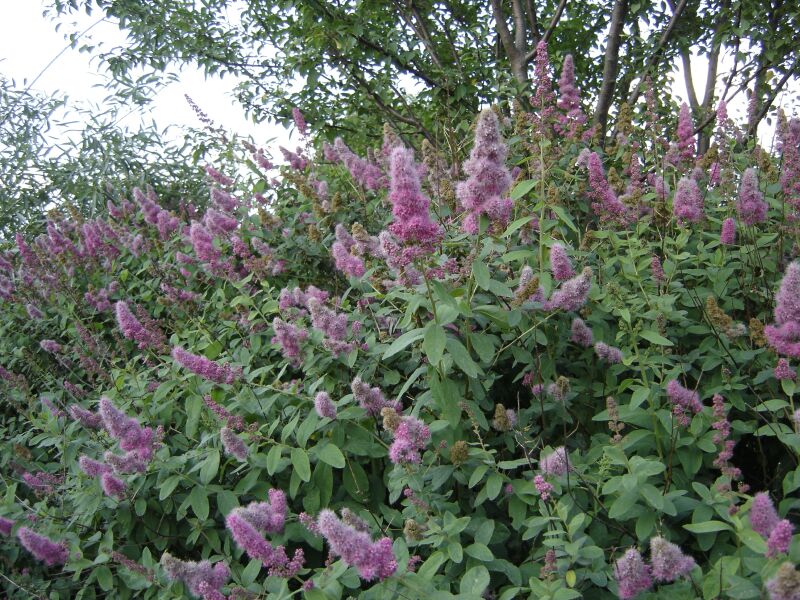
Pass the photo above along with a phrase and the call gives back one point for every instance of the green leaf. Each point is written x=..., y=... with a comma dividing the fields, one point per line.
x=430, y=566
x=521, y=222
x=409, y=337
x=198, y=500
x=480, y=552
x=708, y=527
x=434, y=342
x=330, y=454
x=655, y=338
x=104, y=578
x=462, y=358
x=522, y=188
x=168, y=487
x=274, y=458
x=475, y=581
x=210, y=466
x=301, y=464
x=251, y=571
x=194, y=405
x=481, y=272
x=226, y=501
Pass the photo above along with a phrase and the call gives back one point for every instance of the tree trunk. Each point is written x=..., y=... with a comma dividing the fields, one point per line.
x=610, y=67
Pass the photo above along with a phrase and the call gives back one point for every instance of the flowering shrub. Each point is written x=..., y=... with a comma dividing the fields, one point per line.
x=530, y=368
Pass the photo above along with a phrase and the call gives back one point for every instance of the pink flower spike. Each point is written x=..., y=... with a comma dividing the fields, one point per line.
x=43, y=548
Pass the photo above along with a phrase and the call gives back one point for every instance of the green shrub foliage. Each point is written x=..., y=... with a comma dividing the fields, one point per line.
x=516, y=365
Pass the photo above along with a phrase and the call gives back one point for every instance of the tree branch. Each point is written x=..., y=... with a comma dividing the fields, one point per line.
x=610, y=65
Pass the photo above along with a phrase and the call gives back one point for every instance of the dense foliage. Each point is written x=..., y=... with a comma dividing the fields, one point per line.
x=528, y=368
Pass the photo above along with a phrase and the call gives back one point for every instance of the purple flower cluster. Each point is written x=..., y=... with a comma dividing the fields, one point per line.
x=569, y=100
x=201, y=578
x=784, y=336
x=484, y=191
x=324, y=406
x=543, y=487
x=206, y=368
x=668, y=560
x=608, y=353
x=722, y=428
x=332, y=325
x=751, y=206
x=410, y=438
x=581, y=333
x=372, y=400
x=410, y=207
x=366, y=173
x=683, y=401
x=786, y=583
x=133, y=329
x=85, y=417
x=560, y=264
x=573, y=293
x=765, y=521
x=556, y=463
x=299, y=121
x=727, y=236
x=288, y=337
x=784, y=371
x=633, y=575
x=5, y=526
x=687, y=205
x=373, y=560
x=605, y=203
x=246, y=525
x=43, y=548
x=233, y=444
x=138, y=442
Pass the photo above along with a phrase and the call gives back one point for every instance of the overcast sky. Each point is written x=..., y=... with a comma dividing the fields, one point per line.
x=28, y=42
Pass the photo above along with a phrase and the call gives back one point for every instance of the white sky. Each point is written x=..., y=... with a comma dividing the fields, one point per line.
x=28, y=42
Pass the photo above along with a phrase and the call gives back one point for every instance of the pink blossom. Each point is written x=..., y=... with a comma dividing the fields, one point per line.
x=687, y=204
x=543, y=487
x=605, y=203
x=113, y=486
x=93, y=468
x=370, y=399
x=784, y=371
x=763, y=516
x=560, y=264
x=573, y=293
x=683, y=401
x=484, y=191
x=203, y=243
x=146, y=337
x=727, y=236
x=581, y=333
x=410, y=207
x=43, y=548
x=233, y=444
x=780, y=538
x=632, y=574
x=784, y=336
x=410, y=438
x=299, y=121
x=751, y=206
x=669, y=562
x=200, y=577
x=608, y=353
x=371, y=559
x=656, y=269
x=555, y=463
x=288, y=337
x=324, y=406
x=685, y=132
x=206, y=368
x=5, y=526
x=85, y=417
